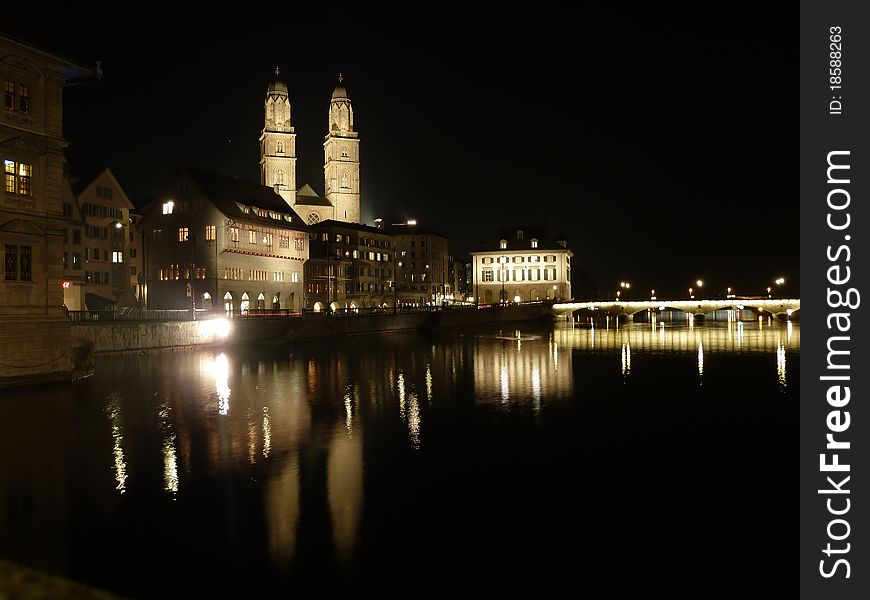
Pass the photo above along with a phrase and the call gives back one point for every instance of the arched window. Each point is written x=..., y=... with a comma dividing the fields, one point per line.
x=344, y=152
x=519, y=234
x=261, y=301
x=280, y=147
x=345, y=180
x=245, y=306
x=534, y=243
x=279, y=177
x=228, y=303
x=502, y=244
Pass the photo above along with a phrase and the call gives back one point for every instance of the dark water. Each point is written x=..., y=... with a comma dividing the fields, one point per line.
x=624, y=462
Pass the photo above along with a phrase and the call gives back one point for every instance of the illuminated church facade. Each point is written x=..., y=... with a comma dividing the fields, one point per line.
x=340, y=151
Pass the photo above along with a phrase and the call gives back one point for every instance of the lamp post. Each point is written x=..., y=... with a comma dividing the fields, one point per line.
x=502, y=260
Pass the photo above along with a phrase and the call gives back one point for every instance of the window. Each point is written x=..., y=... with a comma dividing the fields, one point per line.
x=278, y=276
x=313, y=218
x=168, y=207
x=252, y=236
x=519, y=234
x=155, y=235
x=279, y=177
x=345, y=180
x=294, y=277
x=77, y=260
x=502, y=244
x=104, y=192
x=234, y=234
x=9, y=94
x=518, y=259
x=487, y=275
x=299, y=244
x=182, y=234
x=550, y=258
x=534, y=259
x=267, y=239
x=280, y=148
x=535, y=274
x=534, y=243
x=117, y=256
x=24, y=99
x=18, y=262
x=210, y=232
x=337, y=237
x=518, y=275
x=344, y=152
x=17, y=177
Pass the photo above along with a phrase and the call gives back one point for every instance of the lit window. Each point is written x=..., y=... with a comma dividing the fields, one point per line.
x=210, y=232
x=252, y=236
x=534, y=243
x=234, y=234
x=17, y=177
x=182, y=234
x=117, y=256
x=267, y=239
x=294, y=277
x=280, y=147
x=283, y=241
x=167, y=207
x=502, y=244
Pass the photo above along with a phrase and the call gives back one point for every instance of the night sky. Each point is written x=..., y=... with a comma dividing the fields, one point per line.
x=662, y=143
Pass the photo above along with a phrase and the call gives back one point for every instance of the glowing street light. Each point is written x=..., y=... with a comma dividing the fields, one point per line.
x=652, y=294
x=699, y=283
x=691, y=293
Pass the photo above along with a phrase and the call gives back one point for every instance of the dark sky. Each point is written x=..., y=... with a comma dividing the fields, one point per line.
x=661, y=142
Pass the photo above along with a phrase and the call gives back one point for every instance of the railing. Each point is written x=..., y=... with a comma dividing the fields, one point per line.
x=88, y=316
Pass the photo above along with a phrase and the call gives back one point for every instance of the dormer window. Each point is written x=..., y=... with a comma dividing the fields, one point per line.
x=502, y=244
x=534, y=243
x=519, y=234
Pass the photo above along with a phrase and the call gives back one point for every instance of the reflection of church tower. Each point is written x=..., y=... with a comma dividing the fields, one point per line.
x=278, y=143
x=341, y=158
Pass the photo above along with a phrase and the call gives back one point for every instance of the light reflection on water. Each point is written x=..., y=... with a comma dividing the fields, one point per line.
x=301, y=420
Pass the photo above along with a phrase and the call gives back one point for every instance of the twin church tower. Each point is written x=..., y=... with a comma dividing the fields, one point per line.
x=340, y=158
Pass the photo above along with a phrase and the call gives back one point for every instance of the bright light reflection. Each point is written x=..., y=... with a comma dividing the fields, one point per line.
x=536, y=383
x=505, y=385
x=267, y=432
x=348, y=413
x=414, y=420
x=780, y=364
x=114, y=411
x=170, y=459
x=700, y=358
x=429, y=383
x=221, y=379
x=626, y=358
x=401, y=396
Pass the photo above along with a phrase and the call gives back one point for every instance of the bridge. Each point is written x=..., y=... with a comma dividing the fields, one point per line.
x=783, y=308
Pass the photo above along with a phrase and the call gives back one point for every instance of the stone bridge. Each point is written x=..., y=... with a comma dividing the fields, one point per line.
x=783, y=308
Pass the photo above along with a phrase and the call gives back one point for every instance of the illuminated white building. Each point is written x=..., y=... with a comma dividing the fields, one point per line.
x=522, y=265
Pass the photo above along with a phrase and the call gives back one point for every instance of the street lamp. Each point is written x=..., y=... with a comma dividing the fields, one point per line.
x=691, y=293
x=652, y=294
x=502, y=260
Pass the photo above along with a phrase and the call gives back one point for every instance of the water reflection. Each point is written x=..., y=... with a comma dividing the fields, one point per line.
x=302, y=458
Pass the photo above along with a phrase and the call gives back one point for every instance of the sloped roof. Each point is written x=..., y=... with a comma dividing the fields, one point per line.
x=307, y=196
x=330, y=223
x=227, y=193
x=545, y=240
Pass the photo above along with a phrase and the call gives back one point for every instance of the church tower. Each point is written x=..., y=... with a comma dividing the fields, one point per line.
x=278, y=143
x=341, y=158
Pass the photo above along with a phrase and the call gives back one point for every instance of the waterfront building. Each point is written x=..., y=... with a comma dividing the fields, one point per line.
x=459, y=262
x=351, y=266
x=522, y=265
x=214, y=242
x=341, y=200
x=423, y=264
x=34, y=328
x=99, y=244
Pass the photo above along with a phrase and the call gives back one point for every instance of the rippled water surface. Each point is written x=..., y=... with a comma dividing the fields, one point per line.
x=641, y=458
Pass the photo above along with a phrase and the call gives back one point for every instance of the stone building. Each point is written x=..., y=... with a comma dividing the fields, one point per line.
x=100, y=244
x=34, y=327
x=350, y=266
x=423, y=264
x=219, y=243
x=341, y=201
x=522, y=265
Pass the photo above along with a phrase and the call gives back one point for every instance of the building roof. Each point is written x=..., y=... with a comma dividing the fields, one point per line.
x=340, y=92
x=80, y=182
x=227, y=194
x=307, y=196
x=515, y=243
x=72, y=70
x=277, y=87
x=331, y=223
x=416, y=229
